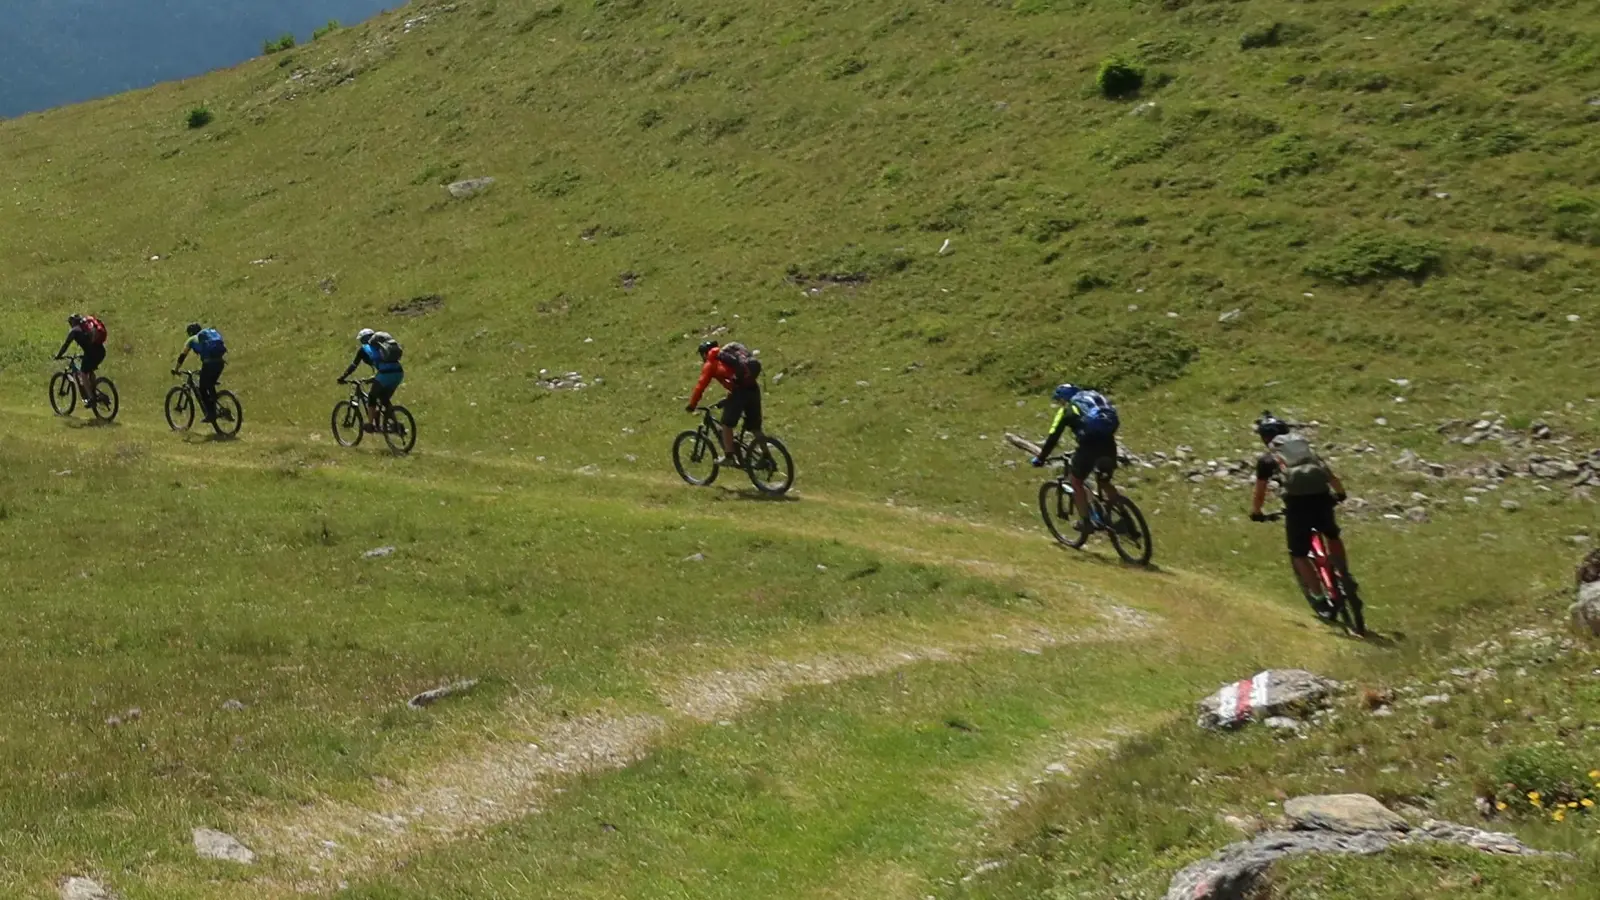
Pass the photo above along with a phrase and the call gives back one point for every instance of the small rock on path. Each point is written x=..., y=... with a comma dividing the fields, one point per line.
x=221, y=845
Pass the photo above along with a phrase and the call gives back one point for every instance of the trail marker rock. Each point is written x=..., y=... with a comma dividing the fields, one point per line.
x=1275, y=692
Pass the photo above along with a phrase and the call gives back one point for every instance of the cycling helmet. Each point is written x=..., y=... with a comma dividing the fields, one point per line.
x=1270, y=426
x=1065, y=392
x=707, y=347
x=364, y=335
x=75, y=320
x=193, y=329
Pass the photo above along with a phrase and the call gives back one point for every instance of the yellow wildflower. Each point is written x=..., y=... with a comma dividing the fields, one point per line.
x=1559, y=815
x=1587, y=803
x=1501, y=806
x=1533, y=797
x=1595, y=774
x=1572, y=804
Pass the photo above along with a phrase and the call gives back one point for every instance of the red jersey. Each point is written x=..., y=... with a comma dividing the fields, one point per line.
x=713, y=368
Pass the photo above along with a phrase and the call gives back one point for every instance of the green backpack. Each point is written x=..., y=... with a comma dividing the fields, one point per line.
x=1304, y=472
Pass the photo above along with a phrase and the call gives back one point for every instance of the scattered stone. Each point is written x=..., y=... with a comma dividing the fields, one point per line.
x=428, y=698
x=327, y=285
x=1282, y=723
x=233, y=706
x=1230, y=315
x=1510, y=505
x=569, y=381
x=1589, y=570
x=1433, y=699
x=1586, y=612
x=470, y=187
x=79, y=888
x=1275, y=692
x=1417, y=514
x=696, y=557
x=220, y=845
x=378, y=552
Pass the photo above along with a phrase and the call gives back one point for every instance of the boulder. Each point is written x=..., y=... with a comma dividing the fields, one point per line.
x=1589, y=570
x=461, y=190
x=80, y=888
x=1275, y=692
x=220, y=845
x=1586, y=612
x=1343, y=813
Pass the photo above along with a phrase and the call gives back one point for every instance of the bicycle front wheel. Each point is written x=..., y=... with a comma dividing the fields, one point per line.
x=63, y=394
x=399, y=429
x=1129, y=533
x=106, y=402
x=695, y=458
x=771, y=468
x=228, y=414
x=1056, y=506
x=179, y=409
x=348, y=423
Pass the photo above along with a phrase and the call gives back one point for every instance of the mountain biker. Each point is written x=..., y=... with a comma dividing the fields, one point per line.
x=1310, y=491
x=89, y=333
x=379, y=350
x=1093, y=420
x=737, y=371
x=208, y=345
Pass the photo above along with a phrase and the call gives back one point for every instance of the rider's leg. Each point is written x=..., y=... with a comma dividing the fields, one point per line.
x=210, y=373
x=1080, y=496
x=1298, y=520
x=1310, y=582
x=752, y=418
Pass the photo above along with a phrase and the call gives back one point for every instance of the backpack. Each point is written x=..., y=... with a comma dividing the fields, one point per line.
x=95, y=328
x=736, y=356
x=389, y=349
x=1304, y=472
x=1097, y=417
x=210, y=344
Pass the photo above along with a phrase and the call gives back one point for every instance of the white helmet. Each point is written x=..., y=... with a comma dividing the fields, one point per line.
x=364, y=335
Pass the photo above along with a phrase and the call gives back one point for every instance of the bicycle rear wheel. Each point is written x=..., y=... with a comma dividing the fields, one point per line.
x=179, y=409
x=695, y=458
x=228, y=414
x=106, y=401
x=1130, y=535
x=349, y=425
x=770, y=467
x=1348, y=603
x=399, y=429
x=1059, y=512
x=63, y=394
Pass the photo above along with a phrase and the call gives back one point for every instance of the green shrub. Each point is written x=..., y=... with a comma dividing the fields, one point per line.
x=1119, y=78
x=1267, y=35
x=1577, y=220
x=281, y=43
x=332, y=26
x=1542, y=775
x=1374, y=256
x=199, y=117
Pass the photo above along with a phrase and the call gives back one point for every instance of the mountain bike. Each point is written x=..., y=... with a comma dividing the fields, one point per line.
x=352, y=420
x=695, y=456
x=64, y=393
x=1347, y=608
x=185, y=398
x=1119, y=518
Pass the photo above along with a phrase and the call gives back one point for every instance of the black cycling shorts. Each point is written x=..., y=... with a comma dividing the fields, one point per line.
x=743, y=402
x=1303, y=515
x=93, y=356
x=1094, y=455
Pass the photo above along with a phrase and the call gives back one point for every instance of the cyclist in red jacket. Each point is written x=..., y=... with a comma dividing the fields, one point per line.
x=737, y=371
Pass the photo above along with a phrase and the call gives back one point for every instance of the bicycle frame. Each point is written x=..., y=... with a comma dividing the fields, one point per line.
x=712, y=430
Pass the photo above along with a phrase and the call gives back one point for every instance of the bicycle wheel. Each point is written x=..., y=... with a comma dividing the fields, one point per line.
x=349, y=425
x=1129, y=533
x=1056, y=506
x=106, y=401
x=179, y=409
x=1348, y=603
x=229, y=414
x=399, y=429
x=695, y=458
x=770, y=467
x=63, y=394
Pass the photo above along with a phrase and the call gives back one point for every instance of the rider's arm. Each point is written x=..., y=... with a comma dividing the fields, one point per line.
x=1064, y=419
x=66, y=343
x=1266, y=467
x=182, y=355
x=353, y=363
x=706, y=372
x=1258, y=497
x=1336, y=484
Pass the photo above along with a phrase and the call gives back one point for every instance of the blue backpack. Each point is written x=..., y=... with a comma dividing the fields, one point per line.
x=210, y=345
x=1097, y=418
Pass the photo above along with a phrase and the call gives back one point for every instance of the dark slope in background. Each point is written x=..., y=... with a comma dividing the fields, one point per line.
x=65, y=51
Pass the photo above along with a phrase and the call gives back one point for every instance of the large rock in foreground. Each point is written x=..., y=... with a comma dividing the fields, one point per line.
x=1275, y=692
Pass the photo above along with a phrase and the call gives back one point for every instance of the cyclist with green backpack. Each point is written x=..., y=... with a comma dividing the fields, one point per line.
x=1310, y=491
x=1094, y=422
x=382, y=352
x=207, y=344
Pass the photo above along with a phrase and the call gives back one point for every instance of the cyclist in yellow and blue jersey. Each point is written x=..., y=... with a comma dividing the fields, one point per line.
x=1093, y=421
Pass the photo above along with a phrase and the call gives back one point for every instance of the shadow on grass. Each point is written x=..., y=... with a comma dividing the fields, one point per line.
x=728, y=493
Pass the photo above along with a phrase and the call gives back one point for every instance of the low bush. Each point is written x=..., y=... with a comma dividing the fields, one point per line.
x=1119, y=78
x=278, y=45
x=199, y=117
x=332, y=26
x=1375, y=256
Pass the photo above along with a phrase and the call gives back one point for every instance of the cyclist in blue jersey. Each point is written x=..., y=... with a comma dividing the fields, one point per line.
x=208, y=345
x=1093, y=421
x=381, y=351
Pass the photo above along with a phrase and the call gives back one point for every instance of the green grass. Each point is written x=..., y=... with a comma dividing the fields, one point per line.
x=1302, y=204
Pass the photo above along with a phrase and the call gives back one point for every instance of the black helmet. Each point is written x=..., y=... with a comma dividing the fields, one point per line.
x=75, y=320
x=1270, y=426
x=193, y=329
x=707, y=347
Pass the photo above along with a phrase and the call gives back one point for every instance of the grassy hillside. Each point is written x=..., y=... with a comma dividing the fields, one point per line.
x=1379, y=217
